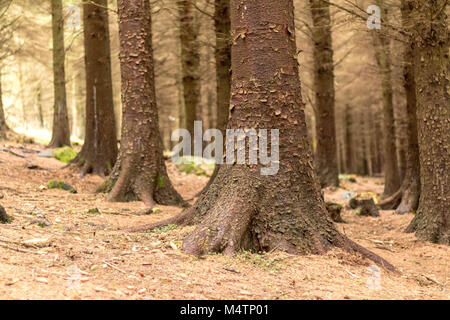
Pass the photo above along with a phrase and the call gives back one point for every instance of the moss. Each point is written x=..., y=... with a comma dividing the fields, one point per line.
x=65, y=154
x=161, y=182
x=94, y=211
x=164, y=229
x=56, y=184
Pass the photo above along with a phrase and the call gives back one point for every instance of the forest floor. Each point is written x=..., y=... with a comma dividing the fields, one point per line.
x=81, y=255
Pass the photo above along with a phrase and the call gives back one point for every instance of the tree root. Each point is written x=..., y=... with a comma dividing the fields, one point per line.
x=391, y=202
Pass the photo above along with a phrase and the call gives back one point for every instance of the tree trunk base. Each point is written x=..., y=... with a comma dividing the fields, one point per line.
x=432, y=229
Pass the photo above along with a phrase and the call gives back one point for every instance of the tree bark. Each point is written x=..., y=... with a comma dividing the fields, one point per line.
x=222, y=25
x=432, y=71
x=244, y=209
x=407, y=199
x=3, y=126
x=349, y=147
x=140, y=172
x=383, y=57
x=190, y=63
x=326, y=152
x=61, y=128
x=99, y=152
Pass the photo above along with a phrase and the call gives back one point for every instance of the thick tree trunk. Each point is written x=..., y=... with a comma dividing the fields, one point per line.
x=432, y=71
x=190, y=63
x=99, y=152
x=140, y=172
x=383, y=57
x=61, y=128
x=244, y=209
x=326, y=152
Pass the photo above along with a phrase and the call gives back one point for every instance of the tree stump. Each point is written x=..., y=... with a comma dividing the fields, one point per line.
x=4, y=218
x=334, y=210
x=367, y=206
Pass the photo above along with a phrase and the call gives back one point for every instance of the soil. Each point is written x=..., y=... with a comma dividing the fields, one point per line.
x=83, y=255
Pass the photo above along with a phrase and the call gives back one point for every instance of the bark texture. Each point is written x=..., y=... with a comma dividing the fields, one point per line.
x=3, y=126
x=99, y=152
x=61, y=128
x=222, y=25
x=140, y=173
x=244, y=209
x=190, y=62
x=326, y=153
x=406, y=200
x=432, y=70
x=383, y=57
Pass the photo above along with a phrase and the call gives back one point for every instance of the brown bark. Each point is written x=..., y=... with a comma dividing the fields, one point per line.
x=61, y=128
x=326, y=152
x=140, y=173
x=432, y=71
x=244, y=209
x=222, y=25
x=3, y=126
x=99, y=151
x=407, y=199
x=383, y=57
x=349, y=147
x=190, y=63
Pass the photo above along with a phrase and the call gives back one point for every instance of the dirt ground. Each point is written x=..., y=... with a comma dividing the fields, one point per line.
x=81, y=255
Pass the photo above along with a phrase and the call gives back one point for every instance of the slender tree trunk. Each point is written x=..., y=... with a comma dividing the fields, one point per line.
x=368, y=143
x=432, y=71
x=349, y=152
x=383, y=57
x=407, y=198
x=99, y=151
x=39, y=105
x=326, y=153
x=61, y=128
x=223, y=70
x=244, y=209
x=3, y=126
x=140, y=172
x=190, y=62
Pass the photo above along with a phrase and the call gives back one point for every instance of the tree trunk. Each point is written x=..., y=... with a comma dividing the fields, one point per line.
x=140, y=172
x=432, y=71
x=326, y=153
x=349, y=152
x=223, y=70
x=407, y=199
x=190, y=63
x=99, y=151
x=383, y=57
x=61, y=128
x=3, y=126
x=243, y=208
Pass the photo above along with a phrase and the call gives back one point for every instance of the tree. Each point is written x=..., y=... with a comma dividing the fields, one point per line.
x=140, y=172
x=406, y=199
x=431, y=66
x=61, y=129
x=326, y=153
x=222, y=25
x=383, y=57
x=3, y=125
x=243, y=209
x=99, y=151
x=190, y=62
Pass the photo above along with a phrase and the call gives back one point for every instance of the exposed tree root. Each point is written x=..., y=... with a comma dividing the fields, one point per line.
x=239, y=218
x=391, y=202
